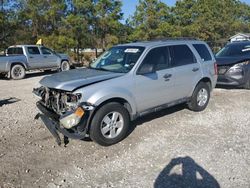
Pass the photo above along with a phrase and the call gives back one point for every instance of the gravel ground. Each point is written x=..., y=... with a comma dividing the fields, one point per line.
x=171, y=148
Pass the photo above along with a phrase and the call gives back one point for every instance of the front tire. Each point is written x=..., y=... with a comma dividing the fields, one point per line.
x=65, y=66
x=110, y=124
x=17, y=72
x=200, y=97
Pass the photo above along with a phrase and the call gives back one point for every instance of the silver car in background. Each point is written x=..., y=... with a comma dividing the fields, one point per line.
x=126, y=82
x=22, y=58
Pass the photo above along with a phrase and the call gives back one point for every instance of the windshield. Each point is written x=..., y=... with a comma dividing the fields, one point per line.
x=234, y=50
x=118, y=59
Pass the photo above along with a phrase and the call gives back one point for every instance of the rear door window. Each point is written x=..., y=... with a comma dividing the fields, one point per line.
x=203, y=52
x=33, y=50
x=182, y=55
x=15, y=51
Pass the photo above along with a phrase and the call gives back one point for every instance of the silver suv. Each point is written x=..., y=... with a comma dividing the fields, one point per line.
x=124, y=83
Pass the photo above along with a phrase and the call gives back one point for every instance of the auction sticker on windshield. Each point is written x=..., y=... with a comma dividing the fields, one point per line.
x=131, y=50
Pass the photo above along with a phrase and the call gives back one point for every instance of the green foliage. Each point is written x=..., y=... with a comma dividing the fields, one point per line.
x=77, y=24
x=150, y=19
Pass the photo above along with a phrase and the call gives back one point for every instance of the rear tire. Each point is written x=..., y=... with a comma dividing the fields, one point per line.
x=110, y=124
x=65, y=66
x=17, y=72
x=200, y=97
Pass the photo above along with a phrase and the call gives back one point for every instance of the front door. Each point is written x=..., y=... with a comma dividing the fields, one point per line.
x=50, y=59
x=155, y=88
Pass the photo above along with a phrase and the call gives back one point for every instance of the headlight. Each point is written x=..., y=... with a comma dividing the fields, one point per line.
x=72, y=119
x=237, y=68
x=242, y=63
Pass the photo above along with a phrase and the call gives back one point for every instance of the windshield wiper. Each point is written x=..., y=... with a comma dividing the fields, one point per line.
x=99, y=68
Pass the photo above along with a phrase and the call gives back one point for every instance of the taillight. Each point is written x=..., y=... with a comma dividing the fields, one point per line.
x=215, y=68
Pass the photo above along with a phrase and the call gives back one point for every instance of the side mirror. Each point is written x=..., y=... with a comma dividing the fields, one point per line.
x=146, y=69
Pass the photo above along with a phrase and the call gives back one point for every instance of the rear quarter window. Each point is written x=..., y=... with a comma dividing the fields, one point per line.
x=203, y=52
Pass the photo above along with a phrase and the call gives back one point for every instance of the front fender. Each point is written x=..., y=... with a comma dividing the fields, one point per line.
x=106, y=94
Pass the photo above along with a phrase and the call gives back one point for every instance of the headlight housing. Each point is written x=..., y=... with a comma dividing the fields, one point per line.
x=238, y=68
x=72, y=99
x=72, y=119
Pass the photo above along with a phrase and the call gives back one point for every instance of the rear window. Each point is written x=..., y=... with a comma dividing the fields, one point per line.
x=182, y=55
x=33, y=50
x=15, y=51
x=203, y=52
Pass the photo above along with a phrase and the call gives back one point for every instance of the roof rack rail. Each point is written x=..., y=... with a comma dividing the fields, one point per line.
x=166, y=39
x=175, y=38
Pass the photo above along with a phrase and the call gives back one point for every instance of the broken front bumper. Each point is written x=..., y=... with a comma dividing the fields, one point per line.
x=51, y=121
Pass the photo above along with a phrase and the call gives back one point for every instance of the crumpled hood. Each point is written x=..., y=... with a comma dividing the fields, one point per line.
x=230, y=60
x=76, y=78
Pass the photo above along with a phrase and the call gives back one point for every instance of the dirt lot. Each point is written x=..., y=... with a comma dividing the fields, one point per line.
x=173, y=148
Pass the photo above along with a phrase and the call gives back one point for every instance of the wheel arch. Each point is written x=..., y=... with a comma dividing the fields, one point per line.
x=206, y=80
x=119, y=100
x=62, y=60
x=17, y=63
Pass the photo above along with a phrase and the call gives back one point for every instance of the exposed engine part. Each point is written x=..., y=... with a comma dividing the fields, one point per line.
x=57, y=100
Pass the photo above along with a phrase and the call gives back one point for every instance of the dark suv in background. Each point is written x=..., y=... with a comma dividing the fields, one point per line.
x=234, y=64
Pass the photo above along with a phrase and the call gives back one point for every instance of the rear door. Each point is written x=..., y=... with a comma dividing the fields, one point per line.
x=50, y=60
x=155, y=89
x=187, y=70
x=34, y=57
x=207, y=60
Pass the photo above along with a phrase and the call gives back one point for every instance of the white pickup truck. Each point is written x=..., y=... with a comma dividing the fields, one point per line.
x=22, y=58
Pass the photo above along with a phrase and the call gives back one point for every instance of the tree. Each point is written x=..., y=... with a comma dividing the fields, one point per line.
x=107, y=14
x=209, y=20
x=8, y=22
x=150, y=20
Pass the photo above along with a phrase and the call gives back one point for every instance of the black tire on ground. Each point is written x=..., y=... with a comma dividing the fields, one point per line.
x=200, y=97
x=17, y=72
x=102, y=125
x=247, y=85
x=65, y=66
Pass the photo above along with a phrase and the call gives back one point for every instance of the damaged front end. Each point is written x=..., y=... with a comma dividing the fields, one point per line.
x=62, y=111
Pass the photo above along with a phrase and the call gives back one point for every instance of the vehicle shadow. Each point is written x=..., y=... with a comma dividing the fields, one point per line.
x=8, y=101
x=190, y=175
x=149, y=117
x=155, y=115
x=31, y=75
x=37, y=74
x=228, y=87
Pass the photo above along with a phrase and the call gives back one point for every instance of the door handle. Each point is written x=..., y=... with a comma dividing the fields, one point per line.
x=31, y=57
x=45, y=56
x=167, y=76
x=195, y=69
